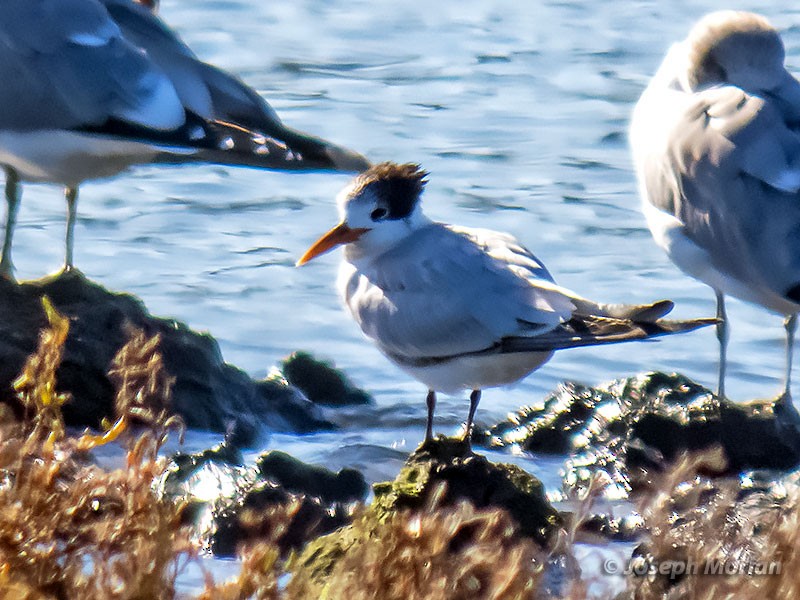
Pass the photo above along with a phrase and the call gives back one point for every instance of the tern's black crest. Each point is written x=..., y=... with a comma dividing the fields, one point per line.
x=398, y=187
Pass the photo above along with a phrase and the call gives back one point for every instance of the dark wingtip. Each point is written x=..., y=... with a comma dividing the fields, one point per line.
x=346, y=160
x=653, y=312
x=794, y=293
x=664, y=326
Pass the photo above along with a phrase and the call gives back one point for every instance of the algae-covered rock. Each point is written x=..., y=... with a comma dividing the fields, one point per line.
x=321, y=382
x=632, y=428
x=279, y=499
x=440, y=474
x=471, y=477
x=207, y=392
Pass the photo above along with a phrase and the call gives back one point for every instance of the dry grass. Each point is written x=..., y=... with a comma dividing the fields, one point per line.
x=69, y=529
x=258, y=578
x=434, y=553
x=711, y=522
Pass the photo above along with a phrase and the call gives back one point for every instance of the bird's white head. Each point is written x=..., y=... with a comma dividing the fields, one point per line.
x=377, y=210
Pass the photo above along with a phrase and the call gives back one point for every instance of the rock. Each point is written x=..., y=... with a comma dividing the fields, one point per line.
x=440, y=474
x=268, y=511
x=630, y=429
x=202, y=481
x=280, y=499
x=471, y=477
x=321, y=382
x=549, y=428
x=208, y=393
x=702, y=527
x=289, y=409
x=600, y=528
x=348, y=485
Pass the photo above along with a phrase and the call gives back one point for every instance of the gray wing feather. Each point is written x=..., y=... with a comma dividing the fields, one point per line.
x=593, y=331
x=216, y=95
x=65, y=64
x=207, y=90
x=731, y=175
x=441, y=292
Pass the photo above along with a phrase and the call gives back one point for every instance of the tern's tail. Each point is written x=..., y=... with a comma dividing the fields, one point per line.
x=593, y=330
x=641, y=313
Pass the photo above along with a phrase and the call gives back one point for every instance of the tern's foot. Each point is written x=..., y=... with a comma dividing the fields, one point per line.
x=444, y=448
x=69, y=270
x=784, y=399
x=427, y=445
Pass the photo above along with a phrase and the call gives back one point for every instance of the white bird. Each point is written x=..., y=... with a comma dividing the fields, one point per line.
x=717, y=153
x=458, y=308
x=93, y=87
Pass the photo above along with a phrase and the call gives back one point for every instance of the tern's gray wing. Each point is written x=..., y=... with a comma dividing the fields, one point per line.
x=215, y=94
x=443, y=292
x=64, y=64
x=593, y=331
x=730, y=173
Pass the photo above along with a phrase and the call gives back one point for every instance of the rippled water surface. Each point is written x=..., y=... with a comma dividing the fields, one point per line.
x=518, y=109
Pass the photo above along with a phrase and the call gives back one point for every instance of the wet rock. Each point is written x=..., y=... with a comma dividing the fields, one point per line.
x=268, y=511
x=201, y=481
x=440, y=474
x=208, y=393
x=603, y=527
x=549, y=428
x=348, y=485
x=701, y=527
x=321, y=382
x=471, y=477
x=279, y=499
x=628, y=430
x=289, y=409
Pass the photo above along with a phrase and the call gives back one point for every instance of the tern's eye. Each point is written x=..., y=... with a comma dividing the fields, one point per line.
x=377, y=214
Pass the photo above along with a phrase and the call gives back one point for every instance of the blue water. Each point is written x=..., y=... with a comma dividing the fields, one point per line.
x=518, y=109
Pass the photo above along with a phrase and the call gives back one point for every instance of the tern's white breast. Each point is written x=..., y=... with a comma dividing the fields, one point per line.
x=475, y=372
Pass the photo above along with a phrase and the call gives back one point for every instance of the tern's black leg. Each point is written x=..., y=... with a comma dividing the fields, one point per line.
x=790, y=325
x=71, y=194
x=12, y=203
x=722, y=336
x=474, y=398
x=430, y=401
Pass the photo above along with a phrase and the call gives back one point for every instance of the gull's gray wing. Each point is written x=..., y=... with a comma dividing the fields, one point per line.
x=204, y=89
x=729, y=172
x=446, y=291
x=216, y=95
x=64, y=64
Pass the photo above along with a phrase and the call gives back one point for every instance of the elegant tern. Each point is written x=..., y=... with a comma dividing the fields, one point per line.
x=459, y=308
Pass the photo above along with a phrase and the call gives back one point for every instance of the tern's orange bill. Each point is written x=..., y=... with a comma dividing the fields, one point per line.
x=341, y=234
